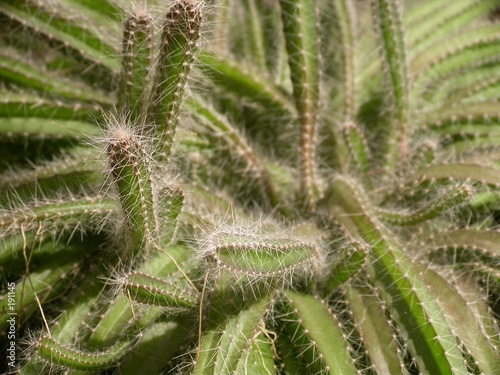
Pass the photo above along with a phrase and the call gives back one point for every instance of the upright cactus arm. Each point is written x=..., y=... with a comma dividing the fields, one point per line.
x=178, y=43
x=344, y=15
x=387, y=21
x=255, y=42
x=358, y=150
x=136, y=65
x=301, y=40
x=131, y=171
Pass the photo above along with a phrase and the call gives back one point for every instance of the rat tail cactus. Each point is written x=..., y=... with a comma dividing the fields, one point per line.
x=249, y=187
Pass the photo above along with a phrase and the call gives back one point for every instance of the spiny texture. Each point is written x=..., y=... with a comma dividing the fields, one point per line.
x=250, y=187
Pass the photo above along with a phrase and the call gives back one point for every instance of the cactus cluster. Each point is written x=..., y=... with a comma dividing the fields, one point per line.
x=250, y=187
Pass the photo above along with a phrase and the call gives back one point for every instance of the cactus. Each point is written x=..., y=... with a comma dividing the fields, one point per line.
x=254, y=187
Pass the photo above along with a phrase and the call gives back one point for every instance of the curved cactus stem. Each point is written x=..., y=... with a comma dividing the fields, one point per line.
x=22, y=104
x=64, y=33
x=399, y=284
x=223, y=132
x=258, y=358
x=207, y=351
x=477, y=113
x=315, y=331
x=479, y=150
x=37, y=128
x=464, y=324
x=21, y=73
x=116, y=320
x=261, y=259
x=109, y=9
x=75, y=171
x=239, y=335
x=81, y=302
x=375, y=330
x=486, y=90
x=45, y=283
x=53, y=214
x=451, y=48
x=456, y=83
x=452, y=61
x=438, y=23
x=66, y=356
x=157, y=291
x=245, y=83
x=81, y=26
x=154, y=349
x=415, y=14
x=483, y=314
x=461, y=128
x=224, y=347
x=454, y=197
x=350, y=262
x=466, y=246
x=481, y=240
x=113, y=323
x=454, y=172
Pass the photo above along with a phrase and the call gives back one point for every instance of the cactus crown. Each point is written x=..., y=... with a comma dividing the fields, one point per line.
x=301, y=194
